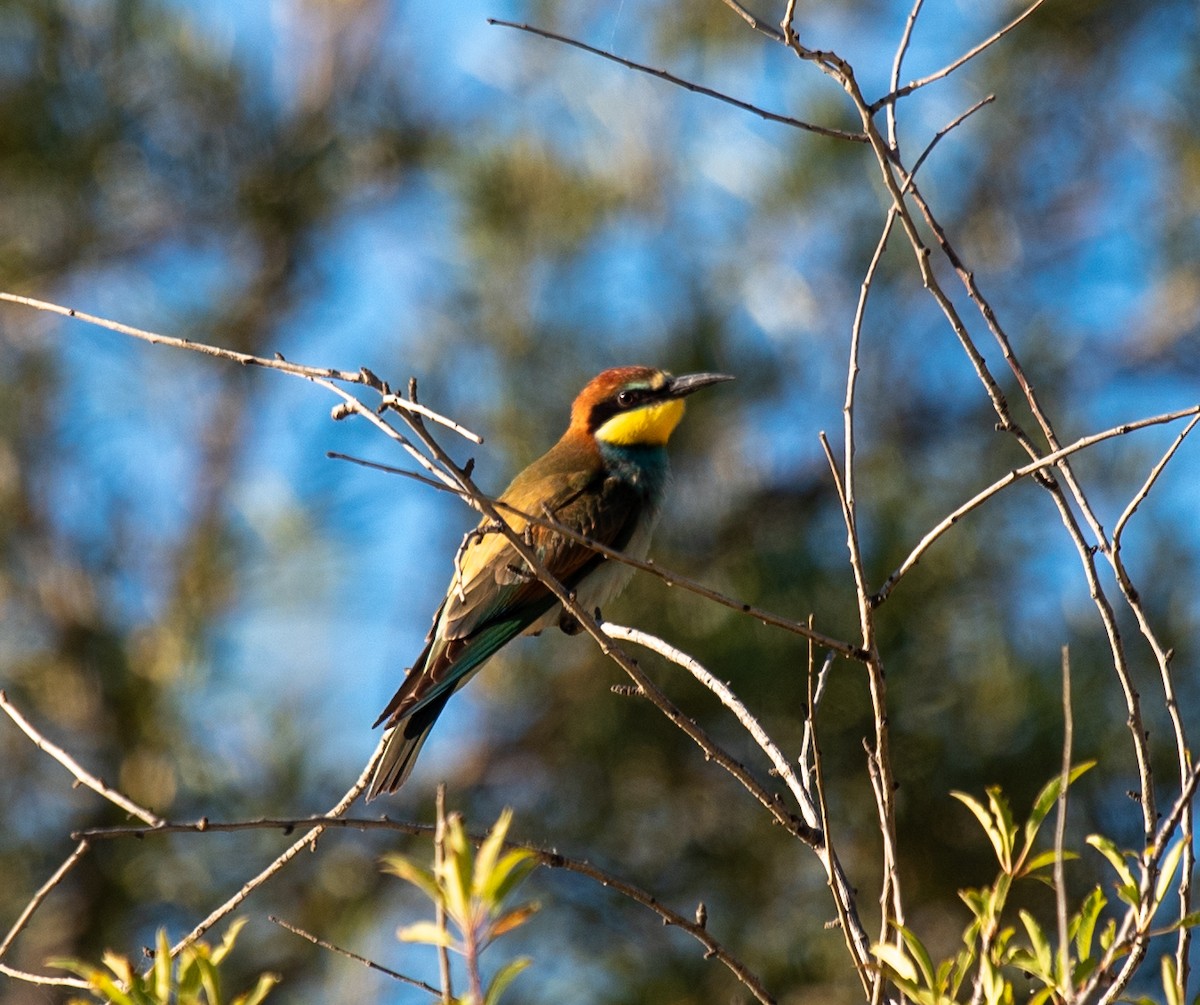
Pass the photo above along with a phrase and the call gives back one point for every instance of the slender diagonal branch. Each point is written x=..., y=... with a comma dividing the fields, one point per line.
x=308, y=840
x=1048, y=460
x=900, y=92
x=67, y=761
x=668, y=576
x=550, y=858
x=28, y=912
x=362, y=377
x=478, y=500
x=708, y=92
x=370, y=964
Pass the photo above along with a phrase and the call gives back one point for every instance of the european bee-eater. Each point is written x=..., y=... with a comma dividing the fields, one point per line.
x=605, y=478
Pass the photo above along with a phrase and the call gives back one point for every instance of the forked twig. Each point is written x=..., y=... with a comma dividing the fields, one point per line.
x=900, y=92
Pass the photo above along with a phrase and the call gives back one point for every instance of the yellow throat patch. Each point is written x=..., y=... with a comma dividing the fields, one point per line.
x=649, y=426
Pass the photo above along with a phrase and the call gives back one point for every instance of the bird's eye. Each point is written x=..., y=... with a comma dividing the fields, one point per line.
x=626, y=398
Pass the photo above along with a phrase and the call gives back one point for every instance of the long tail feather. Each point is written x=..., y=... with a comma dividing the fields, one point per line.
x=402, y=744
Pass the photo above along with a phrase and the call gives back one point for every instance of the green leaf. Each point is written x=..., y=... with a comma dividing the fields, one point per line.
x=1116, y=859
x=456, y=871
x=988, y=824
x=508, y=874
x=427, y=932
x=260, y=990
x=489, y=853
x=409, y=871
x=209, y=978
x=919, y=953
x=1187, y=921
x=1170, y=980
x=226, y=947
x=896, y=960
x=1108, y=934
x=1089, y=914
x=160, y=974
x=503, y=979
x=1004, y=819
x=1170, y=863
x=963, y=964
x=1042, y=953
x=1044, y=859
x=1047, y=798
x=188, y=979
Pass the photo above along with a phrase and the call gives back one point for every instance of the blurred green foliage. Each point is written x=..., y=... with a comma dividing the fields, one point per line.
x=531, y=216
x=191, y=978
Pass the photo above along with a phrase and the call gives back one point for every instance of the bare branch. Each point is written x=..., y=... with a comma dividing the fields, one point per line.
x=308, y=840
x=1049, y=460
x=67, y=761
x=900, y=92
x=439, y=858
x=394, y=974
x=645, y=565
x=937, y=137
x=28, y=911
x=1144, y=491
x=1060, y=830
x=363, y=377
x=783, y=766
x=787, y=120
x=897, y=62
x=757, y=23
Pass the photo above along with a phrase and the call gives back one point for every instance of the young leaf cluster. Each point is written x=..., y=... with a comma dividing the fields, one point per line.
x=472, y=891
x=191, y=978
x=995, y=949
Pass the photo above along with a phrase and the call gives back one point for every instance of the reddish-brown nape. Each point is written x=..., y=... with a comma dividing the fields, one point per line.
x=604, y=386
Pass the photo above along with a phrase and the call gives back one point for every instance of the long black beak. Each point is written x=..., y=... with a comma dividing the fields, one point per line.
x=681, y=387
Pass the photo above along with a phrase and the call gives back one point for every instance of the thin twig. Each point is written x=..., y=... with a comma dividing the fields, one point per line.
x=900, y=92
x=550, y=858
x=897, y=62
x=757, y=23
x=308, y=840
x=1060, y=830
x=708, y=92
x=28, y=911
x=1182, y=751
x=879, y=769
x=1046, y=461
x=780, y=762
x=439, y=859
x=363, y=377
x=73, y=766
x=317, y=941
x=844, y=895
x=645, y=565
x=948, y=127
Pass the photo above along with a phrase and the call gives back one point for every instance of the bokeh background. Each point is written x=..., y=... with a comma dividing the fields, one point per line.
x=208, y=612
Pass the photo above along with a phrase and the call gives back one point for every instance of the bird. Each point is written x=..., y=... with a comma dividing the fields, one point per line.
x=605, y=479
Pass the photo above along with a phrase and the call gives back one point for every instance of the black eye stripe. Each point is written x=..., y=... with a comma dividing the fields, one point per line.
x=625, y=399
